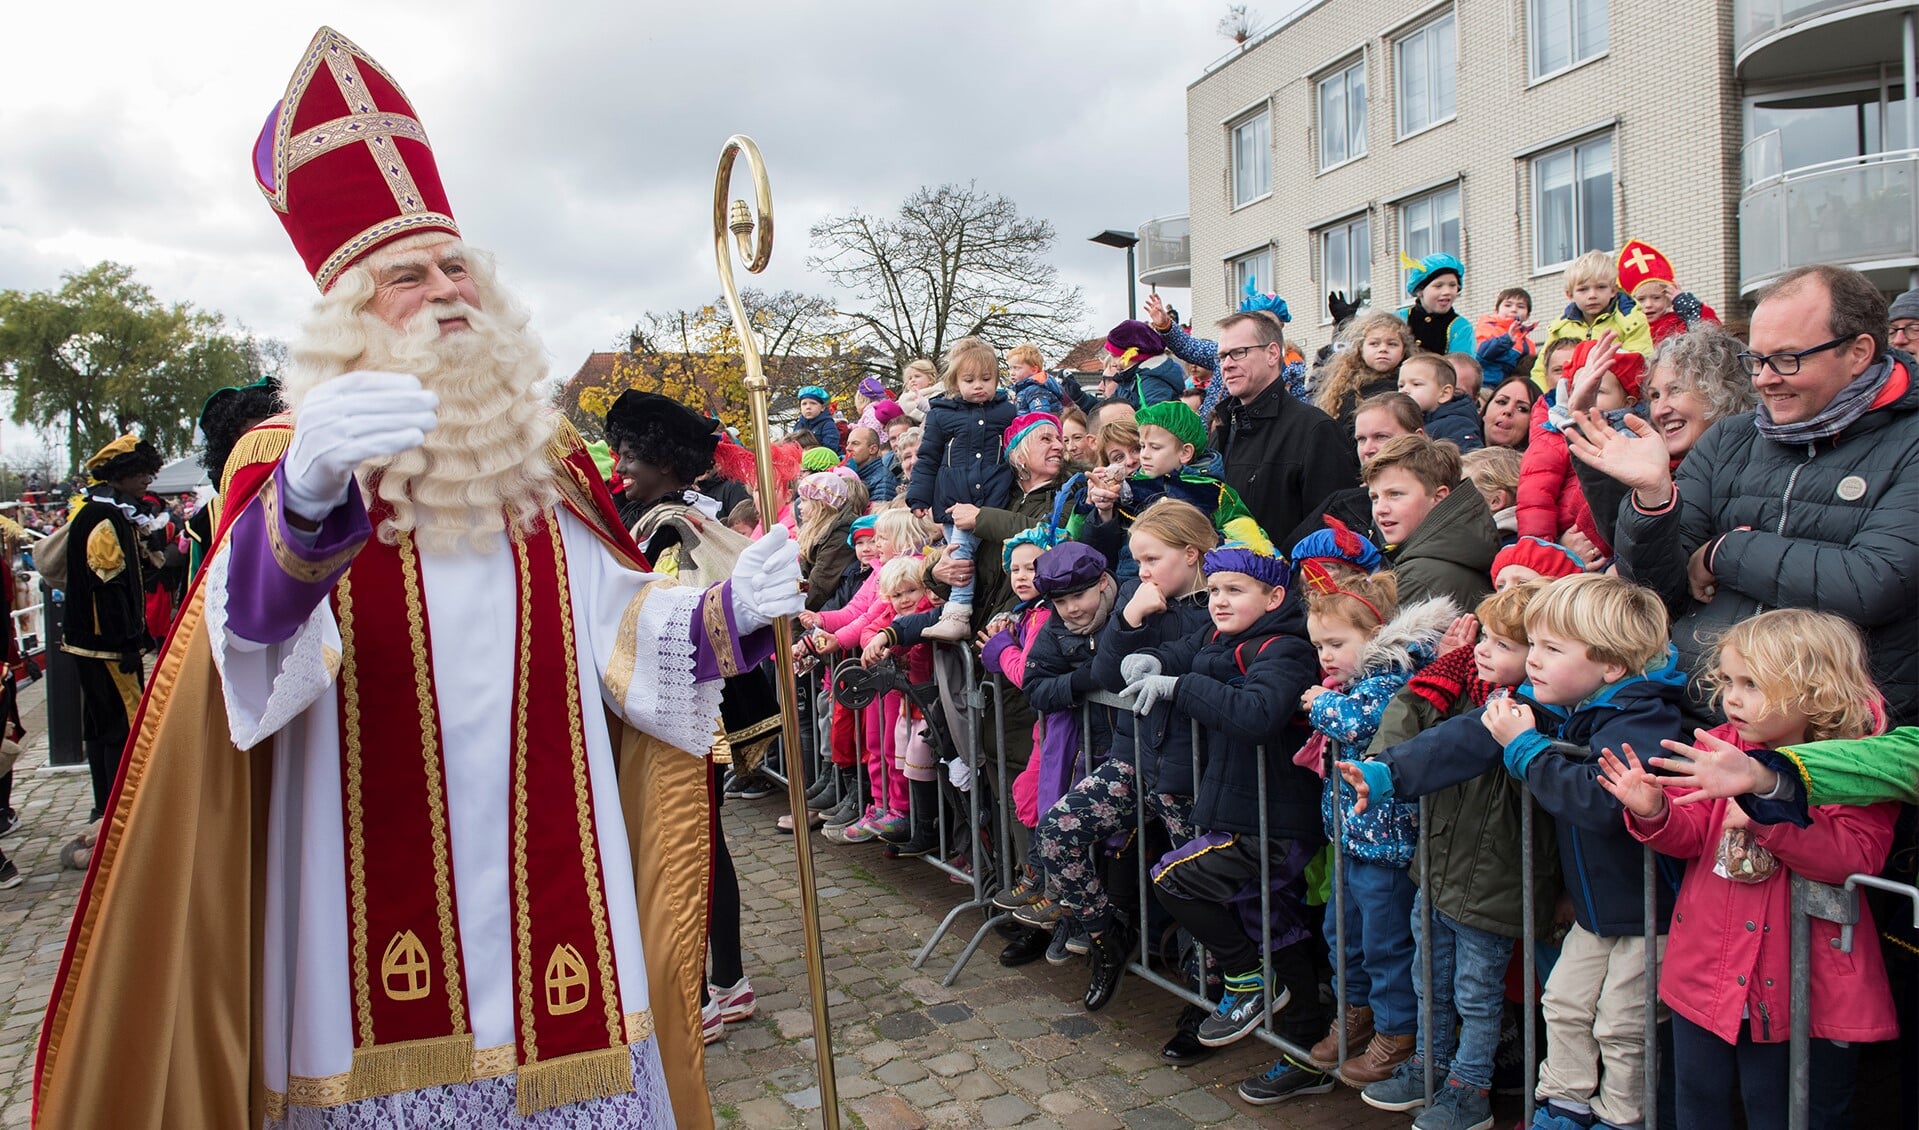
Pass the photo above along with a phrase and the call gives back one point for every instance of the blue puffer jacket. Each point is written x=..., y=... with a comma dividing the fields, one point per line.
x=825, y=429
x=1050, y=392
x=1165, y=737
x=1457, y=420
x=878, y=476
x=1385, y=833
x=1559, y=761
x=960, y=458
x=1241, y=711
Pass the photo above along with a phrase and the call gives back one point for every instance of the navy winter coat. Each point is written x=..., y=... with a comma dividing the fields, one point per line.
x=1059, y=676
x=1150, y=382
x=825, y=429
x=1050, y=392
x=1600, y=861
x=1165, y=737
x=1457, y=420
x=1241, y=712
x=960, y=456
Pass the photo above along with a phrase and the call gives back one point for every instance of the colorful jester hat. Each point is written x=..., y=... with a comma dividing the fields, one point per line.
x=1427, y=269
x=1254, y=302
x=1323, y=551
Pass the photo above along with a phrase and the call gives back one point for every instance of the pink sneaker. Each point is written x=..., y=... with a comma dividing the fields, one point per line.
x=736, y=1003
x=712, y=1021
x=863, y=831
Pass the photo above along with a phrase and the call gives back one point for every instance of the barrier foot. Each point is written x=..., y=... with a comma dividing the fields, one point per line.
x=946, y=924
x=972, y=947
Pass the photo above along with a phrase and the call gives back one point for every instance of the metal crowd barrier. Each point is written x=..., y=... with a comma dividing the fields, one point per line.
x=1838, y=904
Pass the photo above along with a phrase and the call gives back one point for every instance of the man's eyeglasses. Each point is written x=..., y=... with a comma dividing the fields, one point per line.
x=1238, y=354
x=1786, y=364
x=1901, y=331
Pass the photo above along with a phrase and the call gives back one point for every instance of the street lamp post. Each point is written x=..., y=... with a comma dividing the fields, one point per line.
x=1113, y=238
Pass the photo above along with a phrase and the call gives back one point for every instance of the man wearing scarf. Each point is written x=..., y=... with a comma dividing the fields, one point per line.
x=105, y=628
x=1811, y=501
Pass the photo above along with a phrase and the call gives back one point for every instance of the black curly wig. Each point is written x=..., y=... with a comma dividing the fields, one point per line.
x=662, y=433
x=227, y=416
x=144, y=459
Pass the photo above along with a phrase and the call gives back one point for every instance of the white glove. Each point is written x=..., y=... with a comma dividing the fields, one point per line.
x=1151, y=691
x=766, y=581
x=960, y=774
x=343, y=423
x=1138, y=666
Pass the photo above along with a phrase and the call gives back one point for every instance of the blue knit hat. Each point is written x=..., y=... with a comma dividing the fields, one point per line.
x=1237, y=557
x=814, y=392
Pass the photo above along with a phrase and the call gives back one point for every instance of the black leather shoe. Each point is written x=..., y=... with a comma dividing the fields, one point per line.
x=1029, y=946
x=1184, y=1048
x=1110, y=951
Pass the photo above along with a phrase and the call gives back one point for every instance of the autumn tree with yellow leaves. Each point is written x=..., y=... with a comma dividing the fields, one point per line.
x=693, y=356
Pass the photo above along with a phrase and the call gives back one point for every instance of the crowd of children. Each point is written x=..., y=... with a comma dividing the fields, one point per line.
x=1447, y=635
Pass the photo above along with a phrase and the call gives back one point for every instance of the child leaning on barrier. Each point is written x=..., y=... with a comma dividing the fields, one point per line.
x=1472, y=874
x=1242, y=681
x=1600, y=674
x=1782, y=678
x=1168, y=543
x=1368, y=648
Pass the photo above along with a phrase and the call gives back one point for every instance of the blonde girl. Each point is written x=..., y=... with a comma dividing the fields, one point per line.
x=828, y=504
x=1376, y=343
x=919, y=383
x=1782, y=678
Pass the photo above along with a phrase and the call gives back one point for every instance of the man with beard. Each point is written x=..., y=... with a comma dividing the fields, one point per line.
x=413, y=827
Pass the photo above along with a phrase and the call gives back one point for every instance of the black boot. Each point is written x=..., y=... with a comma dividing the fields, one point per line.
x=1025, y=949
x=926, y=820
x=1110, y=951
x=1184, y=1047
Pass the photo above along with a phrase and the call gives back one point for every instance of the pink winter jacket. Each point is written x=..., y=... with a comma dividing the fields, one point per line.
x=1730, y=950
x=1549, y=499
x=853, y=624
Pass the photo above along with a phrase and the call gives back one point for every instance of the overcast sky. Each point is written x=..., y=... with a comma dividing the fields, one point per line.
x=578, y=140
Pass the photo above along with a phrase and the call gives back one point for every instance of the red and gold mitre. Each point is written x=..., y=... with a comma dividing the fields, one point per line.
x=1640, y=262
x=344, y=161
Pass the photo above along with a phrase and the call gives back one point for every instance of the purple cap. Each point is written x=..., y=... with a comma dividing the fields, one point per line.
x=873, y=387
x=1133, y=341
x=1069, y=568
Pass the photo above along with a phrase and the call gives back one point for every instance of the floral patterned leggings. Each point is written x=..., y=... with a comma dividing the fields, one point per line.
x=1102, y=805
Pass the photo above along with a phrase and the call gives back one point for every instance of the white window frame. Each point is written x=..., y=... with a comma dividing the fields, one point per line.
x=1327, y=282
x=1432, y=200
x=1261, y=117
x=1575, y=150
x=1355, y=147
x=1261, y=256
x=1420, y=38
x=1582, y=53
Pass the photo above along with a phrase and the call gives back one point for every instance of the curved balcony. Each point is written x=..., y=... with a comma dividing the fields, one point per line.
x=1165, y=252
x=1774, y=39
x=1861, y=212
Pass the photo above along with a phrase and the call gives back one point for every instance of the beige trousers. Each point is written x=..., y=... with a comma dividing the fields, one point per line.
x=1595, y=1008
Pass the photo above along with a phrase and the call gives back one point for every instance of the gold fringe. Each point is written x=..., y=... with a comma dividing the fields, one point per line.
x=388, y=1069
x=753, y=756
x=575, y=1078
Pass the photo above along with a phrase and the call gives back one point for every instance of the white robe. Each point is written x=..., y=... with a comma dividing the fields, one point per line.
x=287, y=691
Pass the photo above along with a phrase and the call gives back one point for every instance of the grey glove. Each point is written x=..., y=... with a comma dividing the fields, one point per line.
x=1138, y=666
x=1151, y=691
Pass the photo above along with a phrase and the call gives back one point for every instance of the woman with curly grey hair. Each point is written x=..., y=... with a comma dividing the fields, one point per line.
x=1695, y=382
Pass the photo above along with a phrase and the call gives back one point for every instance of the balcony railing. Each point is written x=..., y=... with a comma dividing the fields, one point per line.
x=1165, y=252
x=1754, y=20
x=1860, y=211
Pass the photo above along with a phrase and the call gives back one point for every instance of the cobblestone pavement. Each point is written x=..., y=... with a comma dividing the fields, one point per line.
x=1001, y=1047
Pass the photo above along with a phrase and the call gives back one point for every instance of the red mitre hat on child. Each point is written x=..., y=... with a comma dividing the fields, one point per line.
x=344, y=161
x=1640, y=262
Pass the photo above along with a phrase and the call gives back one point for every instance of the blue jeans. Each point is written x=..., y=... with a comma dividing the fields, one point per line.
x=1469, y=983
x=1379, y=944
x=960, y=546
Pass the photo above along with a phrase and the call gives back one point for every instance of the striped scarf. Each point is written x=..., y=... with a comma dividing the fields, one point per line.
x=1845, y=410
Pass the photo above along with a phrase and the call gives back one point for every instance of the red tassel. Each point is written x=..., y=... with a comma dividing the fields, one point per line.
x=1343, y=536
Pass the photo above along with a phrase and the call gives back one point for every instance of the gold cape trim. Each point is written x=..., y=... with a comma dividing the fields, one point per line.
x=156, y=1020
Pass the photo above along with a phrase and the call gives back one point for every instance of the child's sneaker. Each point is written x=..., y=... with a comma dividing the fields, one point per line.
x=712, y=1024
x=736, y=1002
x=1241, y=1008
x=1282, y=1081
x=10, y=876
x=1405, y=1089
x=1040, y=914
x=1069, y=941
x=1549, y=1116
x=954, y=626
x=893, y=829
x=862, y=831
x=1026, y=892
x=1457, y=1106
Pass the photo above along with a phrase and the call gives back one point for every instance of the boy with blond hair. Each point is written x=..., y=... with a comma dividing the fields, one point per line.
x=1495, y=471
x=1592, y=290
x=1600, y=675
x=1036, y=390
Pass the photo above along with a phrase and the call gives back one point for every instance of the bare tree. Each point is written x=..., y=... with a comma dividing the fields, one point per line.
x=1237, y=24
x=955, y=262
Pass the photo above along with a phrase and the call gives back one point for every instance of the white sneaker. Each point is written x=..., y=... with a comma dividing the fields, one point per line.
x=712, y=1024
x=736, y=1002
